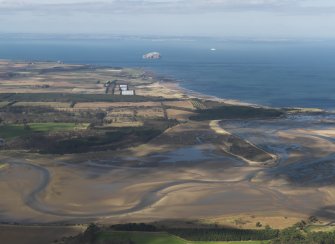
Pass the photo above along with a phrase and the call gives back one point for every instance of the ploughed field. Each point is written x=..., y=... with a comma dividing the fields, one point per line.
x=72, y=153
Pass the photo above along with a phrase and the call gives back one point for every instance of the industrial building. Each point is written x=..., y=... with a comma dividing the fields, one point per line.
x=124, y=89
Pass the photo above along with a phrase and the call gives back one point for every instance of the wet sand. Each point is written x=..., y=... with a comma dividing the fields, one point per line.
x=194, y=181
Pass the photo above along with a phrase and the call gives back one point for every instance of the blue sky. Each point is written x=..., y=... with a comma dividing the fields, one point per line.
x=217, y=18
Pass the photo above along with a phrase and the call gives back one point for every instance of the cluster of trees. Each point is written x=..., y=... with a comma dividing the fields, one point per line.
x=294, y=235
x=236, y=112
x=94, y=235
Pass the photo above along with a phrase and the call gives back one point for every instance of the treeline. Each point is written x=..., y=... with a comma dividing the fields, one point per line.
x=135, y=227
x=69, y=97
x=204, y=234
x=236, y=112
x=293, y=235
x=224, y=234
x=94, y=235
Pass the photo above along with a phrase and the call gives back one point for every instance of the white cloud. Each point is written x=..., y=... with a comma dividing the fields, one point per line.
x=124, y=6
x=171, y=17
x=61, y=7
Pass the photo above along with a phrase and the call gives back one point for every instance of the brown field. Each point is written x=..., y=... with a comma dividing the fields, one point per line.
x=155, y=112
x=180, y=104
x=94, y=105
x=42, y=104
x=178, y=114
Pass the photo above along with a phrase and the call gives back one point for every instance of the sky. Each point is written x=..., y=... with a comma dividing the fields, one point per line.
x=213, y=18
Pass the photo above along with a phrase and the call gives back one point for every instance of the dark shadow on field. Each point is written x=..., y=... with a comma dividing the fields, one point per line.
x=327, y=212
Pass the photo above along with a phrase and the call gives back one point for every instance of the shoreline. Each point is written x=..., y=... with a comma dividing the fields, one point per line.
x=174, y=84
x=177, y=85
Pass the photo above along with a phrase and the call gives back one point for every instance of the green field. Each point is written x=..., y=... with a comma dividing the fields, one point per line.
x=231, y=242
x=158, y=238
x=15, y=130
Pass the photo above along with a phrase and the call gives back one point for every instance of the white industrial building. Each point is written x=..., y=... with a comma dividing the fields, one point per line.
x=125, y=90
x=124, y=87
x=128, y=92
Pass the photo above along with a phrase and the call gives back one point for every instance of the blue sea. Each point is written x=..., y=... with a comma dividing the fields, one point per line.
x=278, y=73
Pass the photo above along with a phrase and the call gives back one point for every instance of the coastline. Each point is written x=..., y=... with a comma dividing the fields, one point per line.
x=177, y=86
x=174, y=84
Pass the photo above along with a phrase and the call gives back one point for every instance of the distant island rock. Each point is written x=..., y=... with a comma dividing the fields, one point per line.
x=152, y=55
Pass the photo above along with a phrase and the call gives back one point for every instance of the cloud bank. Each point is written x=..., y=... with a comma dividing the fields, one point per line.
x=257, y=18
x=166, y=6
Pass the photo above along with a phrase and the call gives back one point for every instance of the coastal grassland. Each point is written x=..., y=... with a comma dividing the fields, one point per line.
x=17, y=130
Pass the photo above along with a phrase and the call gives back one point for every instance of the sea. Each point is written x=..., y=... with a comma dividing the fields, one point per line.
x=277, y=73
